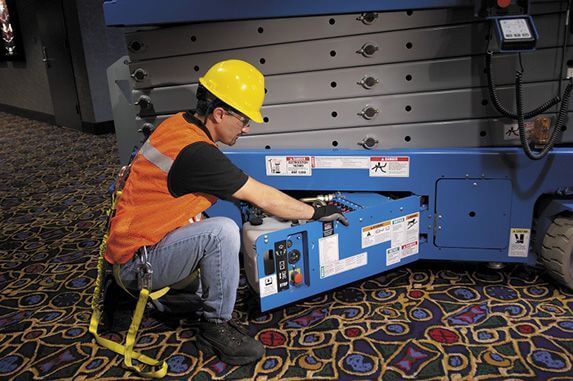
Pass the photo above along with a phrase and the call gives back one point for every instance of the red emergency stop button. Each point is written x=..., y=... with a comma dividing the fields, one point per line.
x=503, y=3
x=296, y=277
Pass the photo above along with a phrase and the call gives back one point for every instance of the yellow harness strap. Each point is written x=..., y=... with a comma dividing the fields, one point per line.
x=159, y=368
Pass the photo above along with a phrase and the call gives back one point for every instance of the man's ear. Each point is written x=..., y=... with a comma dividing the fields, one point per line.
x=218, y=114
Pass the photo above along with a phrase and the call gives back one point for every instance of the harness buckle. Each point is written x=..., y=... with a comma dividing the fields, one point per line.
x=144, y=278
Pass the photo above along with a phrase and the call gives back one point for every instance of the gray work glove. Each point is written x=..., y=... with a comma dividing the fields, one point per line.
x=327, y=213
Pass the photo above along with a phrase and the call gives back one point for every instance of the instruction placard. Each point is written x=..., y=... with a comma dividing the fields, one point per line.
x=341, y=162
x=389, y=166
x=343, y=265
x=288, y=166
x=330, y=264
x=519, y=242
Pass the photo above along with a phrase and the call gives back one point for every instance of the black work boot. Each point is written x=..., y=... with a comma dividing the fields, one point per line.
x=230, y=342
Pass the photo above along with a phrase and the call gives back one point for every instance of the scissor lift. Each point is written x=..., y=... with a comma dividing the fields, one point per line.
x=380, y=106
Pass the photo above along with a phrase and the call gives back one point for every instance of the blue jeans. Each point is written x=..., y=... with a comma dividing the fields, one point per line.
x=211, y=245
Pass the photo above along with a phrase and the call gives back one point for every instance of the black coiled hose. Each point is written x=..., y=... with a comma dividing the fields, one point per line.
x=521, y=117
x=497, y=104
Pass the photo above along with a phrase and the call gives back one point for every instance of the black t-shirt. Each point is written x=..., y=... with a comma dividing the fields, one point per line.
x=201, y=167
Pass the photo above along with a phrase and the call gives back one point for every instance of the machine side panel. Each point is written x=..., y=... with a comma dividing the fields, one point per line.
x=146, y=12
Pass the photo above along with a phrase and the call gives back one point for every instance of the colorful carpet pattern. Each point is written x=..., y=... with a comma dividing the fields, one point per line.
x=429, y=321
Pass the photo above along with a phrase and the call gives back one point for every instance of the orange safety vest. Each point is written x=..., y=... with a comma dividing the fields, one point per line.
x=146, y=210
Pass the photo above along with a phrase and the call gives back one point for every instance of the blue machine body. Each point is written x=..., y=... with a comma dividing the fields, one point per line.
x=470, y=201
x=153, y=12
x=469, y=204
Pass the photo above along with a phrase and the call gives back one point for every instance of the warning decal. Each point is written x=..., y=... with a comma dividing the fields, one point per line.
x=511, y=131
x=389, y=166
x=402, y=232
x=519, y=242
x=375, y=234
x=288, y=165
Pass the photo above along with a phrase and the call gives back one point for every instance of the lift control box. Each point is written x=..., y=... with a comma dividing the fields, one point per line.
x=286, y=261
x=515, y=33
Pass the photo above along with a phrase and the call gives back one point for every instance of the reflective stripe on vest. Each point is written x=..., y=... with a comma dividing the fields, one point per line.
x=155, y=157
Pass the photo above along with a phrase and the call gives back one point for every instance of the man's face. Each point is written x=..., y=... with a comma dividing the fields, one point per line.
x=233, y=126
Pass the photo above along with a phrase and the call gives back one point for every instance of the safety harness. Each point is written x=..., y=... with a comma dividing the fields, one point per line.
x=150, y=367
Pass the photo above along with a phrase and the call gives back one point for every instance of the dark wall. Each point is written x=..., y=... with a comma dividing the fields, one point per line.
x=25, y=84
x=93, y=47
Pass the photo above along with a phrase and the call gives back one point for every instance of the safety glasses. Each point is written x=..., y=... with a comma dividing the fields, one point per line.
x=243, y=119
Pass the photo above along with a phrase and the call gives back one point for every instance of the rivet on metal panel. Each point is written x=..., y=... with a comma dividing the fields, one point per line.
x=368, y=17
x=368, y=112
x=439, y=228
x=369, y=142
x=139, y=75
x=467, y=175
x=368, y=82
x=475, y=184
x=368, y=50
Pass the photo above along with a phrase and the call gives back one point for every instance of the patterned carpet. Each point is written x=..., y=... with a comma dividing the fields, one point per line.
x=429, y=321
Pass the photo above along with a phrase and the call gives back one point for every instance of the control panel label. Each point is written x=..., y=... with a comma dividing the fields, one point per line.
x=519, y=242
x=389, y=166
x=515, y=29
x=282, y=266
x=268, y=285
x=288, y=166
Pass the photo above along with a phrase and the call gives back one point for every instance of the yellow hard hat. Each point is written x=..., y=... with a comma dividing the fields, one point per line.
x=239, y=84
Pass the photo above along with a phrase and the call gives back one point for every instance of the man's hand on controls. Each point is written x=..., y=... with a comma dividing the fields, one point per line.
x=327, y=213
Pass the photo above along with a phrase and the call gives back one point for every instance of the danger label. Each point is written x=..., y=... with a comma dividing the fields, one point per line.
x=519, y=242
x=288, y=166
x=389, y=166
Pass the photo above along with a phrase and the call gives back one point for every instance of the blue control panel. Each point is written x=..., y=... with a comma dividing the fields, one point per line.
x=300, y=260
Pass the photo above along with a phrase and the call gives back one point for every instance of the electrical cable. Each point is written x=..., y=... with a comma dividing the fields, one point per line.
x=497, y=103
